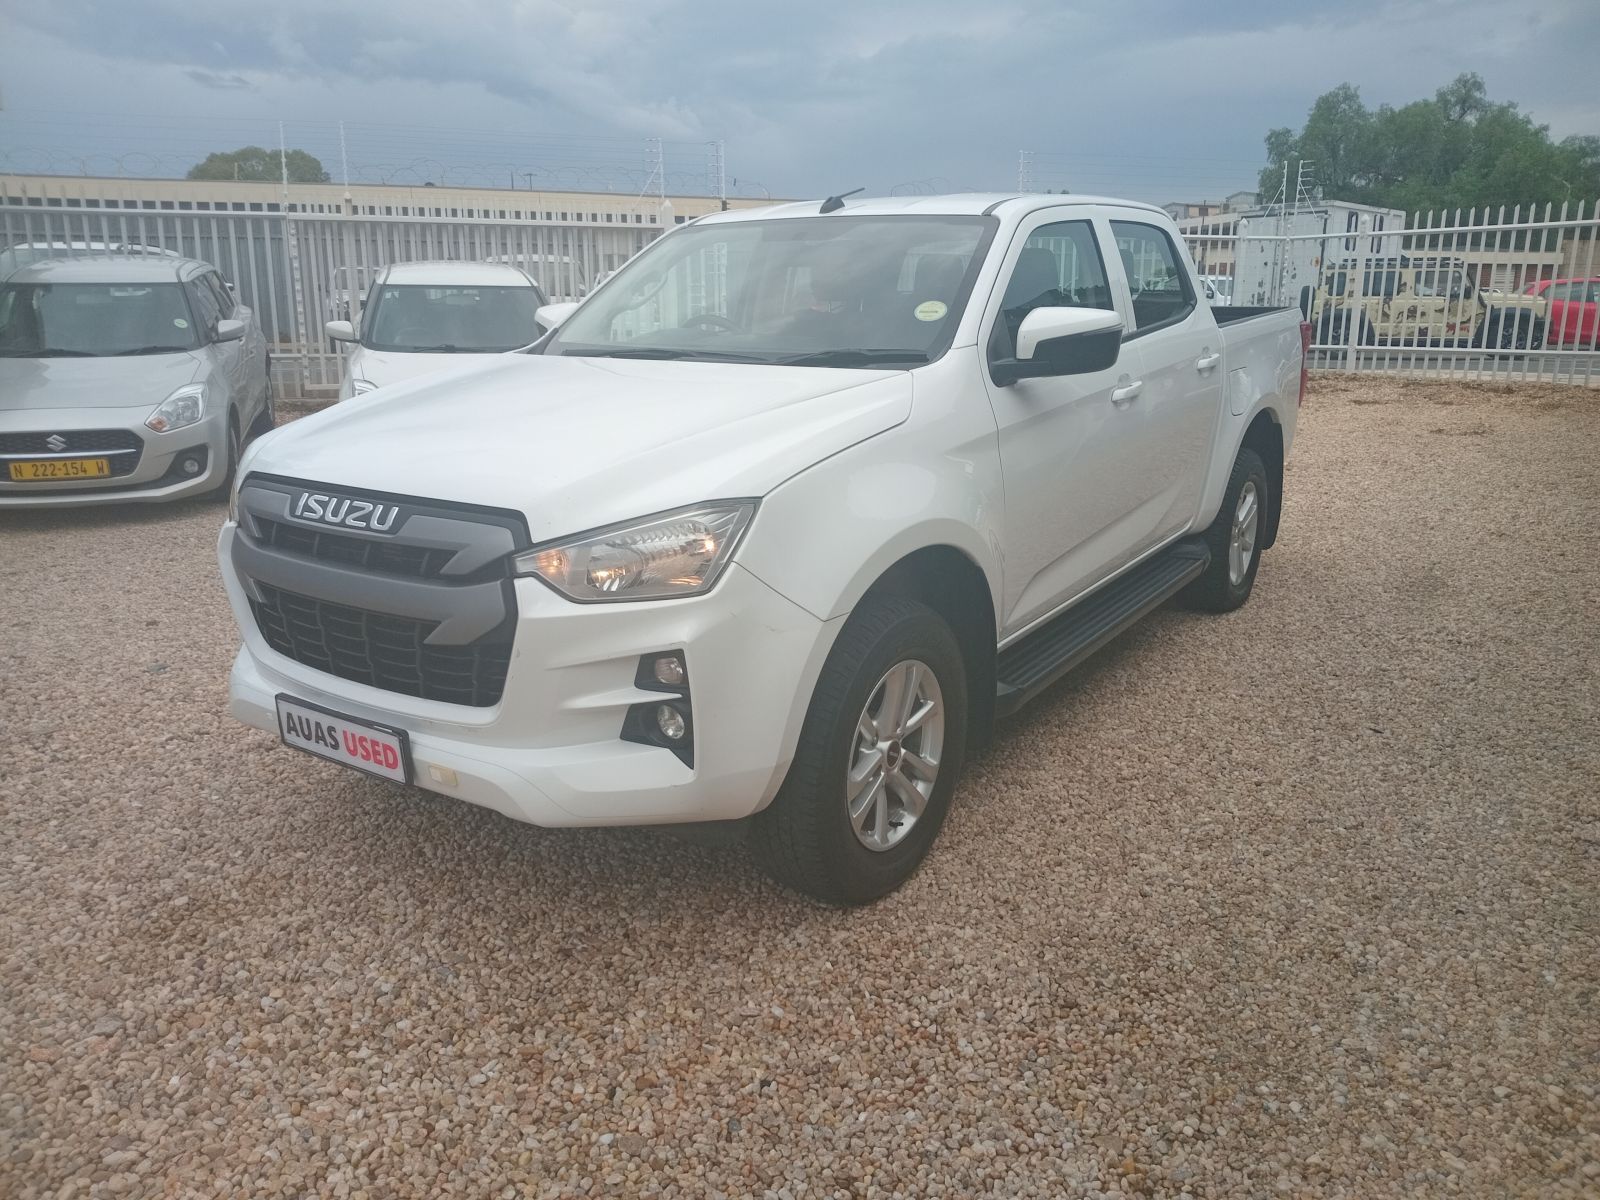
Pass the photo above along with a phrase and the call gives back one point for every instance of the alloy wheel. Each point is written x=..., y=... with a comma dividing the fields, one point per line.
x=899, y=740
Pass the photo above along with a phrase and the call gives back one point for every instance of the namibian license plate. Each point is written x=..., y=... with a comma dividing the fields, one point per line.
x=375, y=749
x=61, y=468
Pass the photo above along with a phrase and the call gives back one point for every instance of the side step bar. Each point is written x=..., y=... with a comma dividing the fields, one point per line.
x=1049, y=652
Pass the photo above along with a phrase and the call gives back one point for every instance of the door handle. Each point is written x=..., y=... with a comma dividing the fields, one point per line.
x=1206, y=361
x=1127, y=393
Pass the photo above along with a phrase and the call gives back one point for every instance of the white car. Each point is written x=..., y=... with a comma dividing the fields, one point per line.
x=124, y=379
x=1218, y=288
x=422, y=317
x=767, y=532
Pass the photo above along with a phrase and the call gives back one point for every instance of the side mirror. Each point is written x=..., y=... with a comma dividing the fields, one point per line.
x=1062, y=341
x=341, y=331
x=228, y=331
x=554, y=316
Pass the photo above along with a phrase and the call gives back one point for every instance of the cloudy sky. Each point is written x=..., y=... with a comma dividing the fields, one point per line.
x=1154, y=99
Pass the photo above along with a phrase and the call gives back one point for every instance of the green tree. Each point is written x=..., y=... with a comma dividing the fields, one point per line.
x=1457, y=150
x=257, y=164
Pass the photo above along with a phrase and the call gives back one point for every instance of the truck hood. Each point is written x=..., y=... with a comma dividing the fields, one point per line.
x=381, y=368
x=57, y=383
x=576, y=443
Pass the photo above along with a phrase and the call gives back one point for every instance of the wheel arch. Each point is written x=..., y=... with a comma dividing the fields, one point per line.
x=949, y=581
x=1264, y=435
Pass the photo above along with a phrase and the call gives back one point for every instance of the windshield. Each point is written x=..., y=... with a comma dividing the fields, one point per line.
x=51, y=320
x=1446, y=282
x=450, y=320
x=813, y=291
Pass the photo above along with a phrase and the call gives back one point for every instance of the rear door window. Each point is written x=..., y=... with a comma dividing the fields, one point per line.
x=1157, y=278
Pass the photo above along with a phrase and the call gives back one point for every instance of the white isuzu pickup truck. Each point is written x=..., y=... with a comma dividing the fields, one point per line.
x=763, y=536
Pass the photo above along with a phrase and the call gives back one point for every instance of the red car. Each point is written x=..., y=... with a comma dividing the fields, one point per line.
x=1574, y=304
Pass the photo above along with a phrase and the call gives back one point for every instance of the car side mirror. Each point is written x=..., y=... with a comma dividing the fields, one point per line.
x=341, y=331
x=228, y=331
x=1062, y=341
x=554, y=316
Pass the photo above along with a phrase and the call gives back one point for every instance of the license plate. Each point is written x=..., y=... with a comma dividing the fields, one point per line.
x=375, y=749
x=61, y=468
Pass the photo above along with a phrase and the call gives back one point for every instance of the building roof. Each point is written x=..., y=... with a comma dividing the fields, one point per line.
x=458, y=274
x=109, y=268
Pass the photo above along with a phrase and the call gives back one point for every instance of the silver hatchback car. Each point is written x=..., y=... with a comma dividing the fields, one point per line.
x=124, y=379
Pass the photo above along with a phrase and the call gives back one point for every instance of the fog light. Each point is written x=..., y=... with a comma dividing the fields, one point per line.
x=190, y=465
x=669, y=670
x=670, y=721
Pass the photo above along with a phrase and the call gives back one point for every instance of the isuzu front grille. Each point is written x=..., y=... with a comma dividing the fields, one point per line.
x=369, y=553
x=382, y=651
x=424, y=607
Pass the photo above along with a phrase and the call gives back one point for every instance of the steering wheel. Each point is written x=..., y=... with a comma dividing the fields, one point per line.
x=710, y=321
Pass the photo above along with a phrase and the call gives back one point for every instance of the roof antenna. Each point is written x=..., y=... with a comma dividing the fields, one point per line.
x=835, y=203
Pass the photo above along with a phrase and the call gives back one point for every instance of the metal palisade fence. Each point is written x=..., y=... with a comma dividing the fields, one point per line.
x=1507, y=293
x=299, y=270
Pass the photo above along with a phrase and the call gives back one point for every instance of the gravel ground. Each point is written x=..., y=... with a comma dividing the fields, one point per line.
x=1300, y=901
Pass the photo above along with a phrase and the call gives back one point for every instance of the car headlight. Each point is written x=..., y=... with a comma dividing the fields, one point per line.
x=184, y=407
x=678, y=553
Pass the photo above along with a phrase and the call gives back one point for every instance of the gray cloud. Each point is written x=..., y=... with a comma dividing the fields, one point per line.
x=1151, y=98
x=218, y=81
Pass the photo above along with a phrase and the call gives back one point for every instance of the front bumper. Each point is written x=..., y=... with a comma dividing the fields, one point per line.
x=154, y=479
x=550, y=752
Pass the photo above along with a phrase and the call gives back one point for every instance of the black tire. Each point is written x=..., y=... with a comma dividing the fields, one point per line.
x=1501, y=331
x=1216, y=591
x=804, y=838
x=235, y=449
x=267, y=419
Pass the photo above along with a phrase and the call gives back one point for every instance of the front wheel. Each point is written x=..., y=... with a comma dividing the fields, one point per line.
x=1234, y=539
x=235, y=448
x=879, y=755
x=267, y=419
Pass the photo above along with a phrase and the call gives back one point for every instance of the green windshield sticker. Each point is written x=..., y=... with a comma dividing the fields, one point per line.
x=931, y=310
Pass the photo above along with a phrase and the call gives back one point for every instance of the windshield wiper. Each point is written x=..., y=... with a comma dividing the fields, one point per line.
x=853, y=358
x=149, y=350
x=49, y=352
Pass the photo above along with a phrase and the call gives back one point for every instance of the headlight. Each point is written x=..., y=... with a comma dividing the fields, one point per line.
x=678, y=553
x=184, y=407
